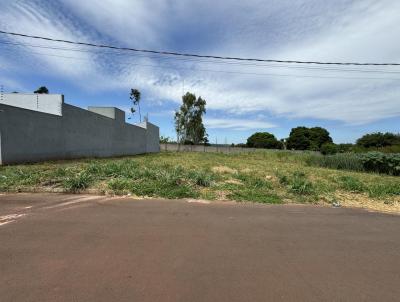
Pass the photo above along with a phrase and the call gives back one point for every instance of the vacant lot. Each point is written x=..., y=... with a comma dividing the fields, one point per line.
x=267, y=177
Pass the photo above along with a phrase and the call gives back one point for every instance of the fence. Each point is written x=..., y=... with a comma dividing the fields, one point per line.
x=202, y=148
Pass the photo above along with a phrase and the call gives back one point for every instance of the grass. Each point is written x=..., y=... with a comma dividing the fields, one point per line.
x=263, y=176
x=340, y=161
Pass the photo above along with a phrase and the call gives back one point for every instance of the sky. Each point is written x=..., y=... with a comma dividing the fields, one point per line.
x=242, y=98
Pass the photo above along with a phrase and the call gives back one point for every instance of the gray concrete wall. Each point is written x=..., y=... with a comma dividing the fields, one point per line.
x=152, y=138
x=30, y=136
x=48, y=103
x=110, y=112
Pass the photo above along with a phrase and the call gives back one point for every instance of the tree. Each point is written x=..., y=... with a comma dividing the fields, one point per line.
x=189, y=120
x=379, y=139
x=329, y=149
x=318, y=137
x=42, y=90
x=135, y=97
x=303, y=138
x=263, y=140
x=165, y=139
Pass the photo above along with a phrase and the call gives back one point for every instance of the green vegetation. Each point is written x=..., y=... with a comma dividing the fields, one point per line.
x=378, y=140
x=189, y=120
x=42, y=90
x=318, y=139
x=262, y=176
x=303, y=138
x=369, y=162
x=263, y=140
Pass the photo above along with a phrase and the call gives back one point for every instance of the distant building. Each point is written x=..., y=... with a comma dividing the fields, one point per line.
x=39, y=127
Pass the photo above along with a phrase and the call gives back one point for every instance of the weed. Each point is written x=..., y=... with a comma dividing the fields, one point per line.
x=201, y=178
x=297, y=183
x=384, y=189
x=352, y=184
x=77, y=182
x=119, y=185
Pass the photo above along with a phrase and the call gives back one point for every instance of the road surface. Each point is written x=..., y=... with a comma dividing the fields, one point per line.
x=88, y=248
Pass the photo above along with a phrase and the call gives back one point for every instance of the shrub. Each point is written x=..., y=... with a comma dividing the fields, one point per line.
x=371, y=162
x=381, y=163
x=329, y=149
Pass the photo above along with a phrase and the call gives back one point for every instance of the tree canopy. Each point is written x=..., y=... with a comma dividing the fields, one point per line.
x=263, y=140
x=135, y=96
x=303, y=138
x=42, y=90
x=379, y=139
x=189, y=120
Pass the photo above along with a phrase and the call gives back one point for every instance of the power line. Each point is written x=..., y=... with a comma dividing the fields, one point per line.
x=233, y=72
x=195, y=55
x=205, y=61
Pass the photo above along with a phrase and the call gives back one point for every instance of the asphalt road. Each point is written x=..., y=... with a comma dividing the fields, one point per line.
x=86, y=248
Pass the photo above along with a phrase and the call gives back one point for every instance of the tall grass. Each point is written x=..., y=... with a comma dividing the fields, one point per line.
x=340, y=161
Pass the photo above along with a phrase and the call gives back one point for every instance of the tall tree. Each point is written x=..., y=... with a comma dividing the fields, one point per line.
x=189, y=120
x=135, y=96
x=303, y=138
x=264, y=140
x=42, y=90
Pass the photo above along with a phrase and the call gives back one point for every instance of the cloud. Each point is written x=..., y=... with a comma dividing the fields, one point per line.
x=309, y=30
x=237, y=124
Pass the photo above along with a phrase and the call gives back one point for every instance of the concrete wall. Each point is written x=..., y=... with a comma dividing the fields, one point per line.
x=48, y=103
x=30, y=136
x=152, y=138
x=110, y=112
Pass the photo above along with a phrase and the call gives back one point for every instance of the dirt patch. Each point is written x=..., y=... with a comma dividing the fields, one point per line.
x=353, y=200
x=233, y=182
x=223, y=170
x=222, y=195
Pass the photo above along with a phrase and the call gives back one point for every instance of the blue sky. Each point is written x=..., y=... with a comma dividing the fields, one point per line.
x=241, y=98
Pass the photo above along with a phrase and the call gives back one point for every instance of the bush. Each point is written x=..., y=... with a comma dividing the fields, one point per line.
x=381, y=163
x=329, y=149
x=370, y=162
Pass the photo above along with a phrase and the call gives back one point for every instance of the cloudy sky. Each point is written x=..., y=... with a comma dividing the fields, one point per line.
x=241, y=98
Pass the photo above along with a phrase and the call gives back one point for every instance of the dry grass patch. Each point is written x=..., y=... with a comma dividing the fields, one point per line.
x=234, y=182
x=223, y=170
x=358, y=200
